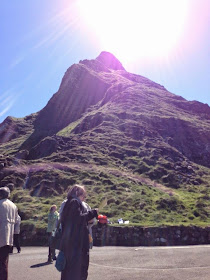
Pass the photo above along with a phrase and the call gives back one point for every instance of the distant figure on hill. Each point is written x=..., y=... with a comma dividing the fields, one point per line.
x=53, y=216
x=17, y=234
x=8, y=218
x=75, y=238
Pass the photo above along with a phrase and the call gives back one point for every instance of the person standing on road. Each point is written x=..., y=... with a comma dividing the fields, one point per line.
x=17, y=233
x=85, y=263
x=75, y=235
x=52, y=221
x=62, y=206
x=58, y=224
x=8, y=218
x=91, y=223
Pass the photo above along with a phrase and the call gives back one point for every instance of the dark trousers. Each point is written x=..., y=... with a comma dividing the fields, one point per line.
x=77, y=268
x=85, y=265
x=72, y=269
x=17, y=242
x=51, y=253
x=4, y=259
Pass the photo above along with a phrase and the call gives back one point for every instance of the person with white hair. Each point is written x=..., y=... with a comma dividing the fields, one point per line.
x=8, y=218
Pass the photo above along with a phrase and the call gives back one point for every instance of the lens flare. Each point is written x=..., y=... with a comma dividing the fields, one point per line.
x=135, y=28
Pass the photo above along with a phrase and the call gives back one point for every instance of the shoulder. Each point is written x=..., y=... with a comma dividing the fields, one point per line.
x=7, y=205
x=50, y=215
x=64, y=201
x=71, y=205
x=86, y=206
x=10, y=203
x=74, y=202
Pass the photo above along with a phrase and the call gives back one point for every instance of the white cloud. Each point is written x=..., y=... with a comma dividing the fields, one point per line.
x=17, y=61
x=3, y=112
x=5, y=94
x=8, y=99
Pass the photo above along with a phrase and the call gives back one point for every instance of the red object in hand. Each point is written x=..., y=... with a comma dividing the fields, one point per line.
x=102, y=219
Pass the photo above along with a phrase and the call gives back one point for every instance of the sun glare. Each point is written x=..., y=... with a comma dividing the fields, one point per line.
x=135, y=28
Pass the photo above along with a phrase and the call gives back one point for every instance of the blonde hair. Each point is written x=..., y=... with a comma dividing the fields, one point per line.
x=76, y=190
x=53, y=207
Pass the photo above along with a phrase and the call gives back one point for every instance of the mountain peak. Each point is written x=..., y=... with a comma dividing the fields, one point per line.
x=110, y=61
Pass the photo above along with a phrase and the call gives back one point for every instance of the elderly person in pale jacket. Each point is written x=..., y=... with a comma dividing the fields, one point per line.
x=8, y=218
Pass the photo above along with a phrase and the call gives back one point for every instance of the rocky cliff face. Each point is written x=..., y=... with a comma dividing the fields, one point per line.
x=82, y=87
x=105, y=116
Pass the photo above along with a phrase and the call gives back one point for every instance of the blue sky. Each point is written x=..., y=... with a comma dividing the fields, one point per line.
x=41, y=39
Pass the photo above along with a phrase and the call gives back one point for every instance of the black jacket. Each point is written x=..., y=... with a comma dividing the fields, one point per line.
x=74, y=221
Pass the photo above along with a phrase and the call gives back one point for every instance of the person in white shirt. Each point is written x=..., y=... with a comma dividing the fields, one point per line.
x=8, y=218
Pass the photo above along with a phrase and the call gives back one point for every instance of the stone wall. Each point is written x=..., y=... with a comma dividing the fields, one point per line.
x=106, y=235
x=150, y=236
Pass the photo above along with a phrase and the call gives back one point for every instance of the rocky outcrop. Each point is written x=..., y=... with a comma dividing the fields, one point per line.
x=44, y=148
x=13, y=128
x=8, y=130
x=105, y=62
x=79, y=90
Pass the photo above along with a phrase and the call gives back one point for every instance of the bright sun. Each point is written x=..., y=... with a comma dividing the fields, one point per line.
x=135, y=28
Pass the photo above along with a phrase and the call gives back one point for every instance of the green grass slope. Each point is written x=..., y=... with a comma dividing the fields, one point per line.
x=143, y=148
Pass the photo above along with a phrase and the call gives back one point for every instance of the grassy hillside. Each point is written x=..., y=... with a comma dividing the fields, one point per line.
x=121, y=135
x=130, y=196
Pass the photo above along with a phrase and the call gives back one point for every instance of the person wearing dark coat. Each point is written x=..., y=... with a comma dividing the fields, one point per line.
x=75, y=235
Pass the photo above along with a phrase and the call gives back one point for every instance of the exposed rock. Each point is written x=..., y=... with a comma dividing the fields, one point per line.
x=12, y=128
x=22, y=154
x=110, y=61
x=43, y=148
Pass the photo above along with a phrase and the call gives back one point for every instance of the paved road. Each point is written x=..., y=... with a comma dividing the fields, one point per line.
x=120, y=263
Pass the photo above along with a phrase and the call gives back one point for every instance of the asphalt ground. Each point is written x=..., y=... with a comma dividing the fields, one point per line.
x=120, y=263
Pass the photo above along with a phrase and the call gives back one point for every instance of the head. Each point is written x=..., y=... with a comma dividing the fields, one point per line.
x=53, y=208
x=4, y=192
x=78, y=191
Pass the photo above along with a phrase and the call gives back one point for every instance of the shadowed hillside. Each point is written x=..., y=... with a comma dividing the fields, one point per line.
x=123, y=136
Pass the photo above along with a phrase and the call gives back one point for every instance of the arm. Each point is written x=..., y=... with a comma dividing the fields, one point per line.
x=73, y=212
x=87, y=216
